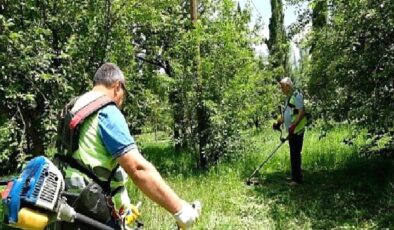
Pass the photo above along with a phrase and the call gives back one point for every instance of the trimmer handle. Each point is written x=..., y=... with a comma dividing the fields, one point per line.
x=284, y=139
x=276, y=127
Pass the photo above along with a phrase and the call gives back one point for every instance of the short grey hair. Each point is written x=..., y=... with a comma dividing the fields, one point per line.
x=287, y=81
x=108, y=74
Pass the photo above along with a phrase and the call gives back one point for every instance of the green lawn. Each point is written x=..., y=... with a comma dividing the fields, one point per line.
x=341, y=189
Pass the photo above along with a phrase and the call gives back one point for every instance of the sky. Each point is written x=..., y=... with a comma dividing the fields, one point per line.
x=263, y=8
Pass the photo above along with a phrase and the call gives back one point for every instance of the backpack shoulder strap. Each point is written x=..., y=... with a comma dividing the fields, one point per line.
x=73, y=163
x=72, y=126
x=289, y=104
x=81, y=168
x=294, y=94
x=89, y=109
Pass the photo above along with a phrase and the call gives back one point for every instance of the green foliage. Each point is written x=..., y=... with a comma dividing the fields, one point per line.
x=278, y=43
x=230, y=74
x=347, y=64
x=50, y=51
x=28, y=80
x=352, y=64
x=225, y=57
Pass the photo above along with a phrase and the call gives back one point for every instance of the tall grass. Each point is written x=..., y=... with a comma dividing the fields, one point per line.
x=341, y=189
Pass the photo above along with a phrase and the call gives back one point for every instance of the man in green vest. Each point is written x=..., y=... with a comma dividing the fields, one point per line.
x=105, y=143
x=294, y=121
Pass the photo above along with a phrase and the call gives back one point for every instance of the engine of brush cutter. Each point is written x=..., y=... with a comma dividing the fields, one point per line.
x=36, y=197
x=29, y=199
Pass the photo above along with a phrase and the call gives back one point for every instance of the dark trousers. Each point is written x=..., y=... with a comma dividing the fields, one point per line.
x=295, y=143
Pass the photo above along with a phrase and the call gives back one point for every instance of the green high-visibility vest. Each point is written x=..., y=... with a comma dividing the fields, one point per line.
x=301, y=125
x=92, y=153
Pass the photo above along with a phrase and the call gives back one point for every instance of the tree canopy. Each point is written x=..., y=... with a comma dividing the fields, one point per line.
x=50, y=50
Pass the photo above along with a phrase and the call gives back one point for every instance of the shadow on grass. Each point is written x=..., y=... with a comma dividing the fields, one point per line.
x=168, y=162
x=360, y=194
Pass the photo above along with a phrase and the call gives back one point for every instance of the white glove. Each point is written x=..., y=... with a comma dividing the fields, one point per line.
x=188, y=214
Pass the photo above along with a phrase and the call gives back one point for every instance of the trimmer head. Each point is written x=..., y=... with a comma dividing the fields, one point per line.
x=253, y=181
x=249, y=182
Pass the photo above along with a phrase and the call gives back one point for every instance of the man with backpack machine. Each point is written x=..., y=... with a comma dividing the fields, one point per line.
x=95, y=141
x=295, y=120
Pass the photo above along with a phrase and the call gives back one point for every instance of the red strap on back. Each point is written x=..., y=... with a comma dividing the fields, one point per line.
x=4, y=193
x=89, y=109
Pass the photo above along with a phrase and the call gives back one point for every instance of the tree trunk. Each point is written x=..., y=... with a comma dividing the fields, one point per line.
x=176, y=102
x=201, y=111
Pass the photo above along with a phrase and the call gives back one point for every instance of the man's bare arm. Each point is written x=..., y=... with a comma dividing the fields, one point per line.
x=148, y=179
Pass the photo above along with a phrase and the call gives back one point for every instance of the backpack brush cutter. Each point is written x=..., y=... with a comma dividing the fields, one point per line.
x=250, y=180
x=35, y=198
